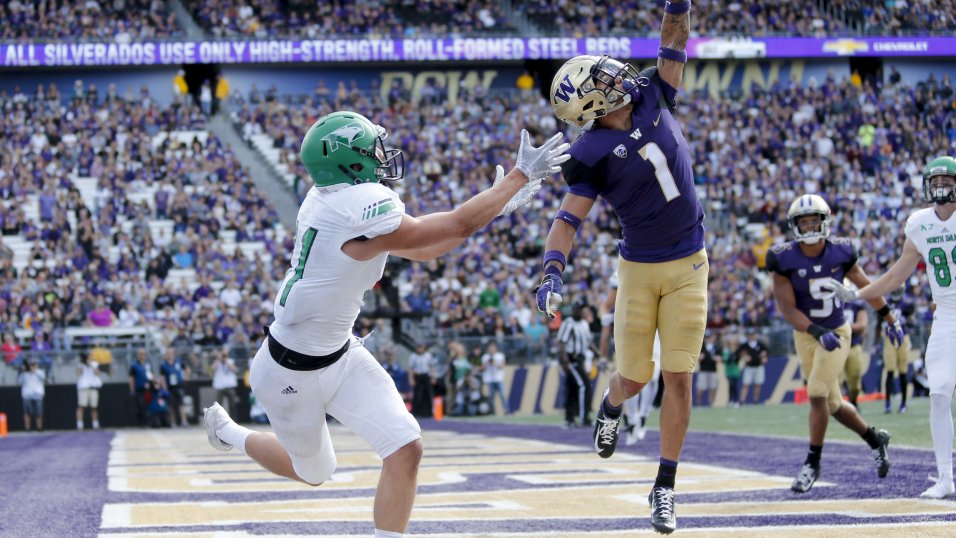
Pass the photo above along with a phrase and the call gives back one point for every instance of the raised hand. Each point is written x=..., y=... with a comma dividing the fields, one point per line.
x=523, y=196
x=539, y=163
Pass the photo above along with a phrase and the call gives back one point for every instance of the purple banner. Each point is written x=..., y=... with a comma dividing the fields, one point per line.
x=487, y=49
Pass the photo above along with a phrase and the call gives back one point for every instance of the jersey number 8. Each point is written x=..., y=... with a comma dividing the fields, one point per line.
x=937, y=258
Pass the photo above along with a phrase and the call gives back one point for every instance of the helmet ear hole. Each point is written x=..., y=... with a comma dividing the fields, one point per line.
x=588, y=106
x=356, y=166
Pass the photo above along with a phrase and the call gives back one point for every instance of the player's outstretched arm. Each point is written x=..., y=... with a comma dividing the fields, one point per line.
x=573, y=209
x=433, y=235
x=675, y=30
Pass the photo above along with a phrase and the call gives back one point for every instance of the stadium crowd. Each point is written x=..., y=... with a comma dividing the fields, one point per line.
x=711, y=18
x=897, y=17
x=120, y=21
x=123, y=21
x=372, y=19
x=98, y=258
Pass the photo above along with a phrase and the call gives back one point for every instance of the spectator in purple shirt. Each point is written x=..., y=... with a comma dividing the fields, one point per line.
x=101, y=315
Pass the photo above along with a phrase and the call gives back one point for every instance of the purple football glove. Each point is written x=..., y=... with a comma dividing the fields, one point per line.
x=548, y=293
x=830, y=341
x=826, y=337
x=895, y=332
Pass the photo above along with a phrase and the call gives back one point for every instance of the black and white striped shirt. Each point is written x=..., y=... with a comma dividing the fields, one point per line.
x=576, y=336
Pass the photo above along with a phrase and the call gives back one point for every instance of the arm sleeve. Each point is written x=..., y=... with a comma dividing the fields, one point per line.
x=662, y=91
x=583, y=180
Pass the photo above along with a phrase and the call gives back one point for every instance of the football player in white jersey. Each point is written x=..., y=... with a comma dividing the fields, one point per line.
x=310, y=363
x=931, y=234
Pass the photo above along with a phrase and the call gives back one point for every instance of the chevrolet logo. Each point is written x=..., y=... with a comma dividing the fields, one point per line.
x=846, y=47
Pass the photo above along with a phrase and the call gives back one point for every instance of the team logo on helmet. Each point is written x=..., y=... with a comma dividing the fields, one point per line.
x=565, y=89
x=343, y=136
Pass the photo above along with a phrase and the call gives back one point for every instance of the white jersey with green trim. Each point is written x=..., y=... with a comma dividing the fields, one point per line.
x=936, y=242
x=321, y=294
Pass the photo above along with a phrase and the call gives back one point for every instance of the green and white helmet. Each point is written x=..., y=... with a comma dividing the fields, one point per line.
x=941, y=194
x=345, y=147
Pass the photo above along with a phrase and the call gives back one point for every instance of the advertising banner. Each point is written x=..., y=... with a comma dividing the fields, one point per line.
x=451, y=49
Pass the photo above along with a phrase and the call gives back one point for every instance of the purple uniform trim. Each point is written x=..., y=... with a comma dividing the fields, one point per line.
x=555, y=255
x=673, y=54
x=568, y=218
x=677, y=8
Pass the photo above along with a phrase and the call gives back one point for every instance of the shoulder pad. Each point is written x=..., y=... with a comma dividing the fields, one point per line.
x=782, y=247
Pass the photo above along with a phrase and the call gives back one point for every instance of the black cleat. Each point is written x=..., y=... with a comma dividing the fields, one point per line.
x=881, y=455
x=605, y=432
x=663, y=516
x=805, y=479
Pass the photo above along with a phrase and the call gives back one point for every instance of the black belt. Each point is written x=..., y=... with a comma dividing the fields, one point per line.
x=293, y=360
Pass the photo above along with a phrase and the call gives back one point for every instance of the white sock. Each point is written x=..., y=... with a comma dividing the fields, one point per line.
x=941, y=426
x=96, y=424
x=235, y=435
x=379, y=533
x=79, y=424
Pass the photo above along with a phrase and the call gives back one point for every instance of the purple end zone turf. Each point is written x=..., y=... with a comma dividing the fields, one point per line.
x=53, y=484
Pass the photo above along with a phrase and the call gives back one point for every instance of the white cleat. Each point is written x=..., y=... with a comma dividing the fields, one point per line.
x=940, y=490
x=215, y=418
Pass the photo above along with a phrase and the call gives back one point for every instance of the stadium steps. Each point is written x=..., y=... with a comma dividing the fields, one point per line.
x=266, y=179
x=184, y=20
x=21, y=250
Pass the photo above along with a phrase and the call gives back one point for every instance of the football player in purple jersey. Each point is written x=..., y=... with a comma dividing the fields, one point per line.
x=633, y=154
x=802, y=270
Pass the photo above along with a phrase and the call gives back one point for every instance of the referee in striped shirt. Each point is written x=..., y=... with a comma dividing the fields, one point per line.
x=574, y=342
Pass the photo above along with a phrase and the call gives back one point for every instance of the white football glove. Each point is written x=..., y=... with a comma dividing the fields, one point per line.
x=842, y=292
x=540, y=163
x=522, y=197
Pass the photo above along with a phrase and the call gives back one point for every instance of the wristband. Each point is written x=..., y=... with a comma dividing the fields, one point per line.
x=555, y=255
x=816, y=331
x=551, y=270
x=569, y=219
x=883, y=312
x=677, y=8
x=673, y=54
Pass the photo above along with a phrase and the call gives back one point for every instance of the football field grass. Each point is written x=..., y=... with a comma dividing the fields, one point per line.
x=785, y=420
